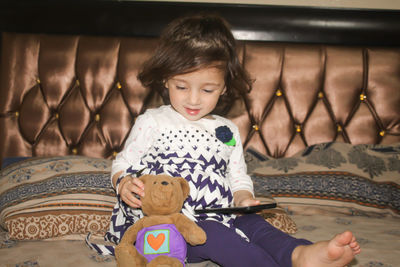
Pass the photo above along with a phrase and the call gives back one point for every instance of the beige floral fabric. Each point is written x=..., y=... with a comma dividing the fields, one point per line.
x=363, y=177
x=379, y=238
x=51, y=197
x=32, y=227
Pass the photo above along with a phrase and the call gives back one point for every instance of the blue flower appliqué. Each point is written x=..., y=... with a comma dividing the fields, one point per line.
x=225, y=135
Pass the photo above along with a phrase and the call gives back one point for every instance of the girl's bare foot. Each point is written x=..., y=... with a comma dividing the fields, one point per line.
x=336, y=252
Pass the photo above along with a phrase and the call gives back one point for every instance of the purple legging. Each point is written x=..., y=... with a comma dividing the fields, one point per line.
x=268, y=246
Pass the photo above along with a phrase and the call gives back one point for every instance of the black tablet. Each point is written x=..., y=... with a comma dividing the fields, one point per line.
x=249, y=209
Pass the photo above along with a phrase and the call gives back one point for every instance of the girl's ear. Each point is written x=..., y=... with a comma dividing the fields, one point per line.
x=223, y=90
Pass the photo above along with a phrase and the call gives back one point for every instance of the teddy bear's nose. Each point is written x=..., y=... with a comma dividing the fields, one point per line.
x=164, y=183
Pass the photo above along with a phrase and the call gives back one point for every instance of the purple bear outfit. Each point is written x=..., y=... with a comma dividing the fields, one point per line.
x=162, y=239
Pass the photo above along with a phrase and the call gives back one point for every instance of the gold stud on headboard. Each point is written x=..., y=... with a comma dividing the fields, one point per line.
x=278, y=92
x=255, y=127
x=339, y=128
x=382, y=133
x=119, y=85
x=298, y=128
x=320, y=95
x=114, y=154
x=74, y=151
x=363, y=97
x=97, y=117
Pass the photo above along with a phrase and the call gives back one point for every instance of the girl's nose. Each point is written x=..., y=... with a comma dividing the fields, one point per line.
x=194, y=97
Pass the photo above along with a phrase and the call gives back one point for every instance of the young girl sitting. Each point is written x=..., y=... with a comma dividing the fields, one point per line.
x=197, y=71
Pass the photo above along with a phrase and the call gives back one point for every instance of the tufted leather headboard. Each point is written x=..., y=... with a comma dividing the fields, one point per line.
x=78, y=94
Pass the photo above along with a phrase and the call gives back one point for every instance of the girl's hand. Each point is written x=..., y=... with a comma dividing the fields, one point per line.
x=244, y=198
x=130, y=188
x=248, y=202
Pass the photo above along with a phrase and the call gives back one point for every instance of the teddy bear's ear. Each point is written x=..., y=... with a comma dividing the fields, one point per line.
x=145, y=177
x=185, y=187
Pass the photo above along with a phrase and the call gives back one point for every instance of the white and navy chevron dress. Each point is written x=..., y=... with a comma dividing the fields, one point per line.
x=163, y=141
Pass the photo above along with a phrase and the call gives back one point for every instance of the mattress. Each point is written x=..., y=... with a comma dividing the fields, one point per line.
x=379, y=238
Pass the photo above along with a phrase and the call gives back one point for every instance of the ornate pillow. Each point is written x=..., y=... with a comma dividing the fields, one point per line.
x=278, y=217
x=52, y=197
x=359, y=178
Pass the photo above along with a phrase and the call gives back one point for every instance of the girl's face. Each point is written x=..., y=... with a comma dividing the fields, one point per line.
x=194, y=95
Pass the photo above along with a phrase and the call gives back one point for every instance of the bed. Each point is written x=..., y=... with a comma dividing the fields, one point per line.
x=320, y=128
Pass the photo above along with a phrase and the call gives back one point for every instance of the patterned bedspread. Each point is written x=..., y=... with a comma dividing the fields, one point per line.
x=325, y=189
x=379, y=238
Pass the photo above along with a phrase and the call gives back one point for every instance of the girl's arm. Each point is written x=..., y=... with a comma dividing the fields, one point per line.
x=241, y=183
x=136, y=146
x=128, y=161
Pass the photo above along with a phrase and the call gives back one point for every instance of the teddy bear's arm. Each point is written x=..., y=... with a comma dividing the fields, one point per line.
x=126, y=253
x=131, y=234
x=192, y=233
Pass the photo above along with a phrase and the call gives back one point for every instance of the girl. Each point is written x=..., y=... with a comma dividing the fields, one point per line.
x=196, y=70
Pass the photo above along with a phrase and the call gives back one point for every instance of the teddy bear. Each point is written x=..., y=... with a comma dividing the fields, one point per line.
x=159, y=237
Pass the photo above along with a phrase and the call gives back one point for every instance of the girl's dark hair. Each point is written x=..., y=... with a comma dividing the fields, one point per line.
x=190, y=43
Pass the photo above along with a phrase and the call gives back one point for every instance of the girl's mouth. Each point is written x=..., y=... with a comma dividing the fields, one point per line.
x=192, y=112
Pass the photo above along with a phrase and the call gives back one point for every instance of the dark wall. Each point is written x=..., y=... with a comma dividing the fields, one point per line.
x=270, y=23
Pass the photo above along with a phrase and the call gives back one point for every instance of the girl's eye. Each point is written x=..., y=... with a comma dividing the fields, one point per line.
x=208, y=90
x=180, y=87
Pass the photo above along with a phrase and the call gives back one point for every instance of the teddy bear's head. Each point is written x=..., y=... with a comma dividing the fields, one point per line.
x=163, y=194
